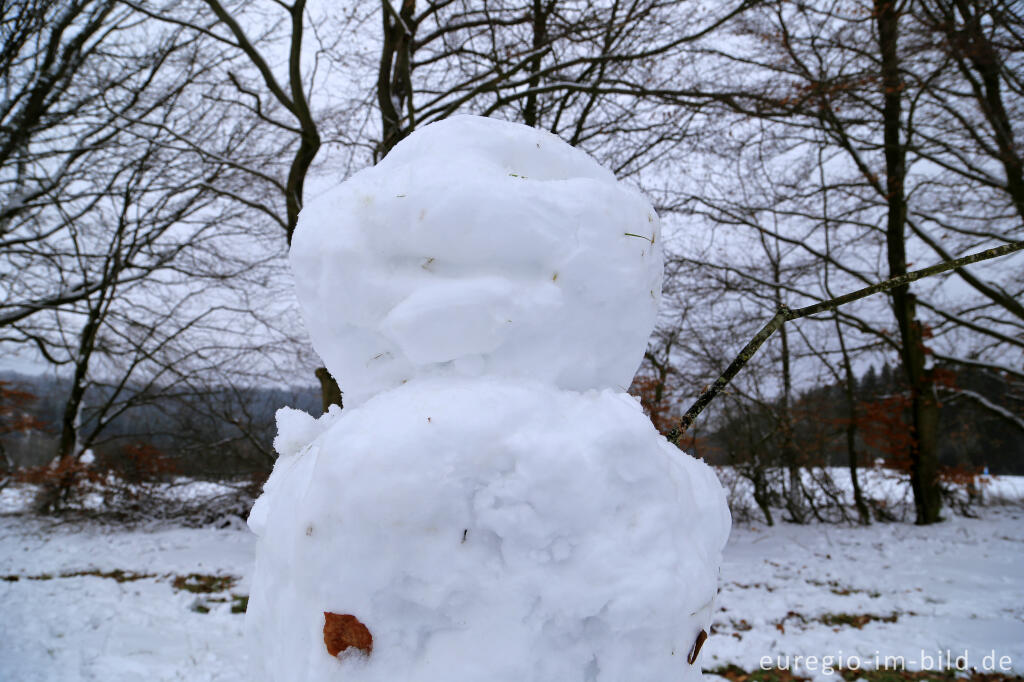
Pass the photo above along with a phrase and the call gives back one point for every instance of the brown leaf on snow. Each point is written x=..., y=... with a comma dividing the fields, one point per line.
x=695, y=649
x=342, y=631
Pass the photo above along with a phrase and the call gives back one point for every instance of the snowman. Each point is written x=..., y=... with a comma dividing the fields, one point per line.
x=491, y=505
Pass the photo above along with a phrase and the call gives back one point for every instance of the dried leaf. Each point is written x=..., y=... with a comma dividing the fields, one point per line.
x=342, y=631
x=695, y=650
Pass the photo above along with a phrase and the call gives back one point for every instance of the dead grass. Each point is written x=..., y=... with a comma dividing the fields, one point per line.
x=203, y=583
x=734, y=673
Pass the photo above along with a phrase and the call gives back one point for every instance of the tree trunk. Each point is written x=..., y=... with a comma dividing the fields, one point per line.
x=54, y=493
x=794, y=492
x=70, y=422
x=762, y=494
x=330, y=392
x=394, y=75
x=863, y=513
x=924, y=408
x=539, y=19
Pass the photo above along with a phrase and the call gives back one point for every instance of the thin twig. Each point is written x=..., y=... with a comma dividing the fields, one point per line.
x=785, y=314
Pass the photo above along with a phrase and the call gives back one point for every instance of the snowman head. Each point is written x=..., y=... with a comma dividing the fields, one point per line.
x=479, y=247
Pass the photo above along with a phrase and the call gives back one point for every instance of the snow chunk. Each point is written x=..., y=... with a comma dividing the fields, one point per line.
x=295, y=430
x=488, y=529
x=479, y=247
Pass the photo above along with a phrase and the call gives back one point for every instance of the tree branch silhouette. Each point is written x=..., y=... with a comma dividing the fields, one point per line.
x=785, y=314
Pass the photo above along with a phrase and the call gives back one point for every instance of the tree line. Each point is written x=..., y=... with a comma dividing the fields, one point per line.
x=823, y=465
x=225, y=432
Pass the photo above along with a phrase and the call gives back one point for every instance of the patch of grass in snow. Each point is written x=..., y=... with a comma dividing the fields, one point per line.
x=838, y=620
x=951, y=675
x=197, y=583
x=203, y=583
x=835, y=587
x=239, y=603
x=734, y=673
x=856, y=620
x=753, y=586
x=117, y=574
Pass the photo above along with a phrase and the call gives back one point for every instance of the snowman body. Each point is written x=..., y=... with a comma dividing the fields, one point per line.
x=490, y=505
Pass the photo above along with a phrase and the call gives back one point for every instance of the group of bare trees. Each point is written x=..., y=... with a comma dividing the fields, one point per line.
x=865, y=138
x=154, y=157
x=120, y=263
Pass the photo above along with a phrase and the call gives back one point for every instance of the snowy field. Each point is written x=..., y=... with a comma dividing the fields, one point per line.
x=86, y=601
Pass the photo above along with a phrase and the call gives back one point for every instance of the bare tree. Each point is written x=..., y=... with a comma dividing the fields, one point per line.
x=585, y=71
x=916, y=164
x=114, y=237
x=262, y=94
x=541, y=62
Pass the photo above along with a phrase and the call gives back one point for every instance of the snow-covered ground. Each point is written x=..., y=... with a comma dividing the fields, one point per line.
x=85, y=601
x=91, y=602
x=888, y=590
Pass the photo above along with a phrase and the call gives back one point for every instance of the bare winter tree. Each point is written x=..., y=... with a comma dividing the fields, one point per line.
x=46, y=48
x=905, y=145
x=585, y=71
x=270, y=63
x=575, y=68
x=114, y=239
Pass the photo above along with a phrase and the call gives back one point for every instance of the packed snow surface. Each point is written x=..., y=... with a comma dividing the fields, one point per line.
x=491, y=505
x=954, y=586
x=479, y=247
x=487, y=529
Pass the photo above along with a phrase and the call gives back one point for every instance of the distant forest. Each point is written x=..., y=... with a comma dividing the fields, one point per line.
x=220, y=432
x=230, y=431
x=979, y=425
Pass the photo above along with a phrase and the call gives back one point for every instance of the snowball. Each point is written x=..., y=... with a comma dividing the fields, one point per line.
x=479, y=247
x=488, y=529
